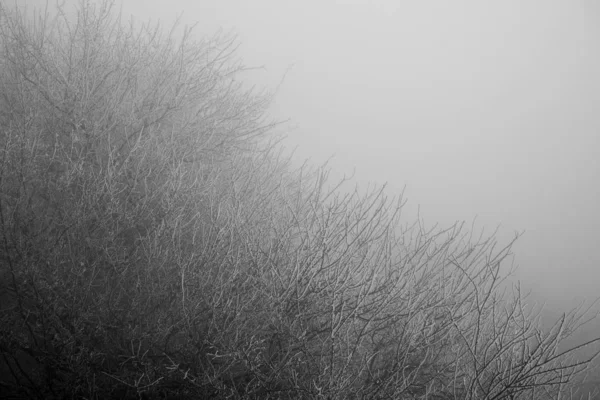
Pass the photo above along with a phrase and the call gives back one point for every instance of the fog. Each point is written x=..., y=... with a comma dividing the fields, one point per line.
x=485, y=110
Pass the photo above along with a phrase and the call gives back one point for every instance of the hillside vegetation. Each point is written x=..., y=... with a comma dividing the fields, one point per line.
x=156, y=243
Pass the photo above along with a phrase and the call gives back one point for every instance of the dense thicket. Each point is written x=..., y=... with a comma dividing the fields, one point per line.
x=155, y=244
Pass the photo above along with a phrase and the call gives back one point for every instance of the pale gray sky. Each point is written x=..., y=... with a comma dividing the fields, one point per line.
x=487, y=108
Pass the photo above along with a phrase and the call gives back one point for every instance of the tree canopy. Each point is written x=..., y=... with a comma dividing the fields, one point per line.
x=156, y=242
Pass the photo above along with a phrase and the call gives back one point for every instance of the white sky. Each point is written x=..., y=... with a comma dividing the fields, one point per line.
x=487, y=108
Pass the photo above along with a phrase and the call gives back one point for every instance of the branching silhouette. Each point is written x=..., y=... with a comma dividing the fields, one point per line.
x=156, y=242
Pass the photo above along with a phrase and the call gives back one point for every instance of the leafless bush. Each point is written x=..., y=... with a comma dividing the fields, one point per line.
x=155, y=243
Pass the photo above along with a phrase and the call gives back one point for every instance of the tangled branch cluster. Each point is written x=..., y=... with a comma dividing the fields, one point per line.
x=155, y=243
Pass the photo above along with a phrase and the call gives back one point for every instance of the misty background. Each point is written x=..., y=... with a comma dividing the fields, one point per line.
x=484, y=111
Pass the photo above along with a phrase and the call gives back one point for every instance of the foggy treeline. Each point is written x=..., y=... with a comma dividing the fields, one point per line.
x=156, y=242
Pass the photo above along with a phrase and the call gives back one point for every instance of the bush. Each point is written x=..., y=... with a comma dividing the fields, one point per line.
x=156, y=243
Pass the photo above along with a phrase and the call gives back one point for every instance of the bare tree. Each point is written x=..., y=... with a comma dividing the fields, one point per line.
x=157, y=241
